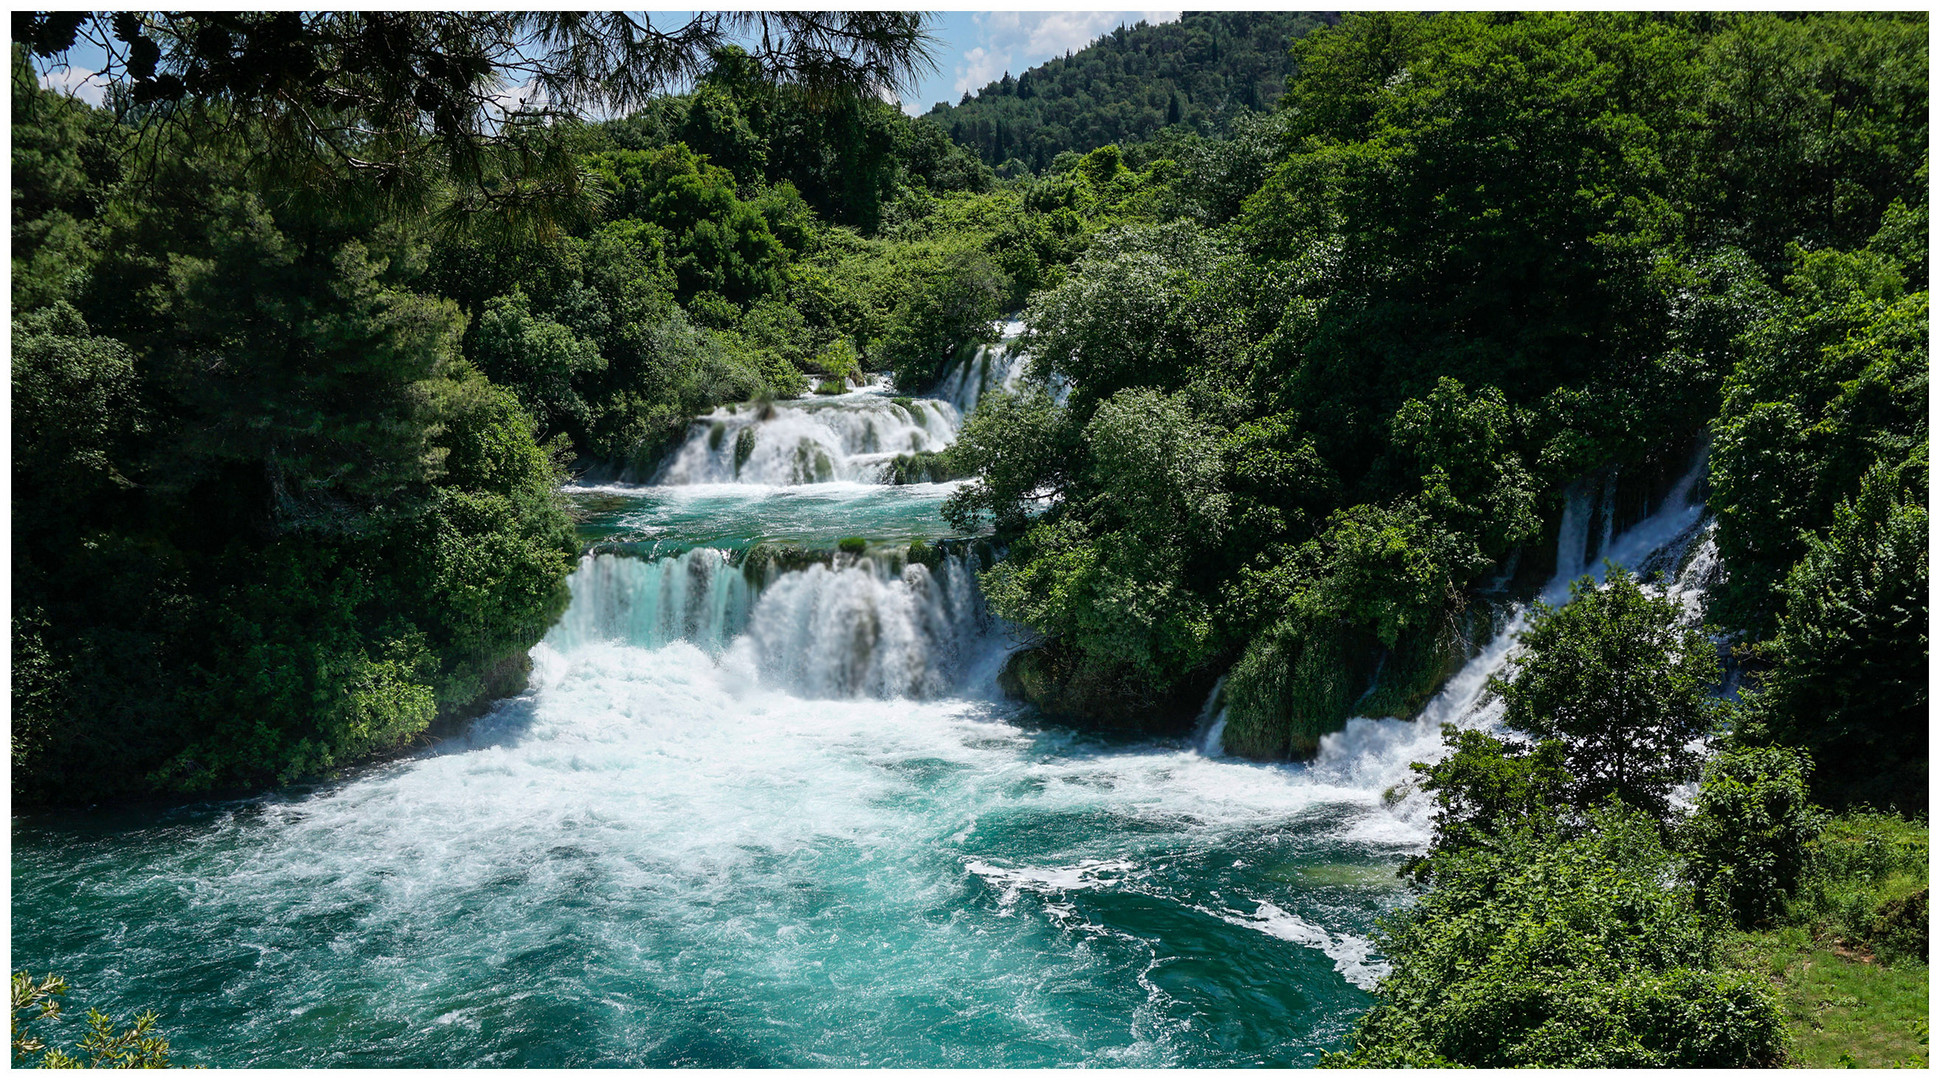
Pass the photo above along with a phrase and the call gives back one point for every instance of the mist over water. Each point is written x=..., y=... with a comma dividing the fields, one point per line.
x=771, y=814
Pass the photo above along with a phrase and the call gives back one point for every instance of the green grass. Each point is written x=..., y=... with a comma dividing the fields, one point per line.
x=1839, y=1003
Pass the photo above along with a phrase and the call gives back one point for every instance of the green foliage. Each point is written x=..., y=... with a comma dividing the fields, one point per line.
x=716, y=243
x=1019, y=446
x=1112, y=323
x=1868, y=886
x=1835, y=381
x=1105, y=574
x=1578, y=952
x=538, y=357
x=956, y=313
x=1484, y=787
x=1751, y=835
x=272, y=521
x=1624, y=681
x=1849, y=659
x=140, y=1046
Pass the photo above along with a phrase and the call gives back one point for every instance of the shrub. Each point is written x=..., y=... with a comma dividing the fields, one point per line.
x=1563, y=953
x=1751, y=836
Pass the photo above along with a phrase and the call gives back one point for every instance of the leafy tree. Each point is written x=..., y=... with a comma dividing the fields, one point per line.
x=1849, y=660
x=1020, y=448
x=397, y=105
x=1485, y=788
x=1834, y=381
x=537, y=356
x=955, y=313
x=1623, y=680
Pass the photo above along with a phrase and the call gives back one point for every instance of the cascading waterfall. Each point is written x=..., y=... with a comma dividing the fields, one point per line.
x=857, y=626
x=775, y=816
x=696, y=597
x=1375, y=754
x=846, y=438
x=860, y=628
x=996, y=366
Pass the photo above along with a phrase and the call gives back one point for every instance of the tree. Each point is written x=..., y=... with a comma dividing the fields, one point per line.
x=1849, y=671
x=1751, y=835
x=954, y=313
x=392, y=104
x=1580, y=952
x=138, y=1047
x=1624, y=681
x=1484, y=788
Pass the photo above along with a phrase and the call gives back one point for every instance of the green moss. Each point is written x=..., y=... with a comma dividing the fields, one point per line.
x=1292, y=686
x=923, y=467
x=743, y=448
x=924, y=554
x=852, y=545
x=1410, y=673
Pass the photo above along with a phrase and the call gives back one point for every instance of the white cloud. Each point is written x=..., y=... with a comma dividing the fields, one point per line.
x=1016, y=41
x=76, y=81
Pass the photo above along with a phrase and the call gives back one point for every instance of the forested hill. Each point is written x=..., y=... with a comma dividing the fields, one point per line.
x=1201, y=72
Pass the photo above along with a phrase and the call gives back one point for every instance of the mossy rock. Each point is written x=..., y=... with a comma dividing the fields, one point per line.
x=852, y=545
x=1063, y=687
x=923, y=554
x=922, y=467
x=1901, y=928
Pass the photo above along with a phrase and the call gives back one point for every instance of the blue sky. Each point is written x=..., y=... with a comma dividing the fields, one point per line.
x=975, y=48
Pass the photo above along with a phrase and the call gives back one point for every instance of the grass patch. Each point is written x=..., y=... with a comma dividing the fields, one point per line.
x=1839, y=1003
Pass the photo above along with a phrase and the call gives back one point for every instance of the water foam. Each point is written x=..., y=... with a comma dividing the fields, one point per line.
x=847, y=438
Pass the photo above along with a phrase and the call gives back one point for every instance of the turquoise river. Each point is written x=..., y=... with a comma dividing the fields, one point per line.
x=770, y=812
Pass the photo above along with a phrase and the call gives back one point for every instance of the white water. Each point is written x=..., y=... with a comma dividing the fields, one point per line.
x=1375, y=755
x=997, y=366
x=849, y=437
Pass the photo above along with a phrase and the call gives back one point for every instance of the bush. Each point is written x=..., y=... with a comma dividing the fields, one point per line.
x=930, y=326
x=1850, y=679
x=1750, y=839
x=1563, y=953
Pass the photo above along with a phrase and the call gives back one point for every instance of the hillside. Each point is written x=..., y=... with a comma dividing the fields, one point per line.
x=1201, y=71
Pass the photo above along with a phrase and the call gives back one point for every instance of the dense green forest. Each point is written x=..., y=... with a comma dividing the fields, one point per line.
x=1198, y=75
x=290, y=415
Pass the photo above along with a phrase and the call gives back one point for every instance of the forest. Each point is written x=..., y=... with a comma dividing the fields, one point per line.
x=1326, y=321
x=1199, y=75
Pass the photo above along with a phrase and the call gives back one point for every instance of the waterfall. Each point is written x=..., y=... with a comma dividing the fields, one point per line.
x=862, y=628
x=1212, y=721
x=696, y=597
x=996, y=366
x=1573, y=534
x=846, y=438
x=858, y=626
x=1374, y=754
